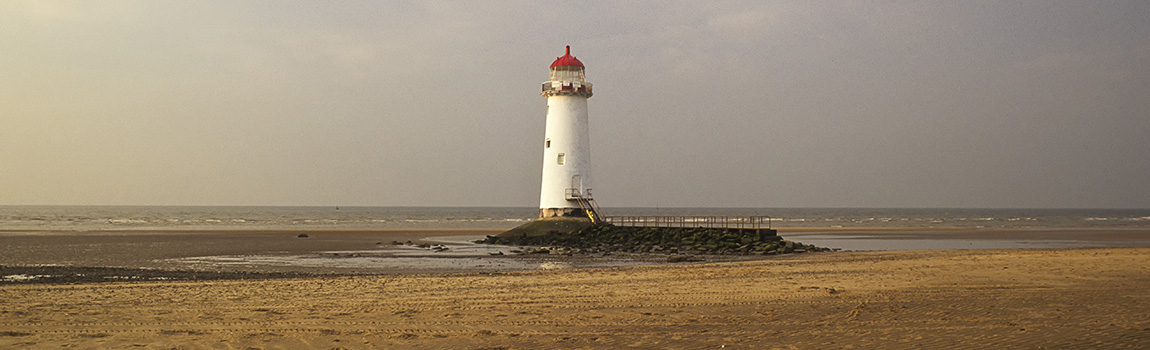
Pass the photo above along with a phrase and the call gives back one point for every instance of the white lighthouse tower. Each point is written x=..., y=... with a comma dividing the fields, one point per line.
x=566, y=190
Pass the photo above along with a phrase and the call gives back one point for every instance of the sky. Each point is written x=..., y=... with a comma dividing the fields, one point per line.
x=988, y=104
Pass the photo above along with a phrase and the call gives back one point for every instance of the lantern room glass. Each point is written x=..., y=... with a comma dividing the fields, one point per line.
x=568, y=73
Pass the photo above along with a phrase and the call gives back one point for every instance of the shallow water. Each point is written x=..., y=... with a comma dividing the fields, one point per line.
x=359, y=262
x=79, y=218
x=928, y=239
x=880, y=243
x=461, y=255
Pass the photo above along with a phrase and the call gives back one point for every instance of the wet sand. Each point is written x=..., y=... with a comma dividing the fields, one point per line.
x=67, y=255
x=915, y=238
x=214, y=250
x=1020, y=298
x=343, y=252
x=152, y=248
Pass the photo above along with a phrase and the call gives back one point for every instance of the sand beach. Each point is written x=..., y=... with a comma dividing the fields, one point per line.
x=1012, y=298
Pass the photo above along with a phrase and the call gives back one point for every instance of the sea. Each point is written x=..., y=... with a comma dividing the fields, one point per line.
x=96, y=218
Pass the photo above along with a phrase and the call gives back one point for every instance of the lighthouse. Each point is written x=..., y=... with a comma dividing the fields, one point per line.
x=566, y=188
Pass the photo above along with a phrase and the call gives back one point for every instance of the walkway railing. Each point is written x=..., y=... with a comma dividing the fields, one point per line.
x=722, y=222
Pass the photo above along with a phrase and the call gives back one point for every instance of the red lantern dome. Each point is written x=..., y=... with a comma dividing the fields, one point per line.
x=566, y=60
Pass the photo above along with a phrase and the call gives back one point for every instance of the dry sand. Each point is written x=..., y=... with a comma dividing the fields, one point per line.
x=1062, y=298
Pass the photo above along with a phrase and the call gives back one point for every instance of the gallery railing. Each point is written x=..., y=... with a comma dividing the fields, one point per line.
x=567, y=88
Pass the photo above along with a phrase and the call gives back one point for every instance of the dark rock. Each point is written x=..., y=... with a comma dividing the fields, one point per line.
x=682, y=258
x=302, y=235
x=609, y=238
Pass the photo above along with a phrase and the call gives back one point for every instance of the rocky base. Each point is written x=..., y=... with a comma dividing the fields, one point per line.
x=547, y=213
x=545, y=226
x=603, y=238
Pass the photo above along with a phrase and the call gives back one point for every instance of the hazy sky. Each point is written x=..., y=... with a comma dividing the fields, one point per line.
x=698, y=103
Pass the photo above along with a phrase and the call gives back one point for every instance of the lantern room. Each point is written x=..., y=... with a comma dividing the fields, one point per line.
x=567, y=77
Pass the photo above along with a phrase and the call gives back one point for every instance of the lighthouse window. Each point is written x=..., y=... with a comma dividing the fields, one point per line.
x=562, y=158
x=547, y=144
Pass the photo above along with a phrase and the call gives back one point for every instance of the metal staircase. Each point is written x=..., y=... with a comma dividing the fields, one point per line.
x=586, y=203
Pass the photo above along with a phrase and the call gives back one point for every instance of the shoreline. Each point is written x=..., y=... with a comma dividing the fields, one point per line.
x=188, y=254
x=245, y=230
x=800, y=229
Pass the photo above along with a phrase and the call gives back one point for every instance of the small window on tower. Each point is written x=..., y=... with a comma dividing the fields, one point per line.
x=562, y=158
x=547, y=144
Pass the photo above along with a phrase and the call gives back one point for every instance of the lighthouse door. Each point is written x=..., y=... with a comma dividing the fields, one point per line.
x=577, y=184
